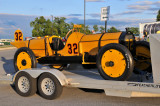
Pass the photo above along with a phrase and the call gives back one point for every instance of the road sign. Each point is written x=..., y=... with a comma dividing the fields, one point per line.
x=105, y=13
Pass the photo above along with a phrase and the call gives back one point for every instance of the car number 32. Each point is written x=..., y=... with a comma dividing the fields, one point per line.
x=72, y=48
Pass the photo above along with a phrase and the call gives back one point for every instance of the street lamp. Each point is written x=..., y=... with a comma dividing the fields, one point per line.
x=52, y=24
x=84, y=15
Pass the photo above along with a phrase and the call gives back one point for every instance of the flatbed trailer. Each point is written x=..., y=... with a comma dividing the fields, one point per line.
x=136, y=86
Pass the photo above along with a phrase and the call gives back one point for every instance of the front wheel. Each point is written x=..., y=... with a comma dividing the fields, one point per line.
x=115, y=62
x=24, y=58
x=49, y=87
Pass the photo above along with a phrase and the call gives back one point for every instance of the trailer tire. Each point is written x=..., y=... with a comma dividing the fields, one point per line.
x=115, y=62
x=49, y=87
x=25, y=85
x=24, y=58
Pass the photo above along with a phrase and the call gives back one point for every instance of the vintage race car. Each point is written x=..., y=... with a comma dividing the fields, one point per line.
x=115, y=55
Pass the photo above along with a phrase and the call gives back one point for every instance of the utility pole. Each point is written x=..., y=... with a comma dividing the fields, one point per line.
x=84, y=16
x=105, y=26
x=52, y=24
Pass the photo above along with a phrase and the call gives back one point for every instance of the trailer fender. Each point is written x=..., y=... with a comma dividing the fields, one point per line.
x=35, y=73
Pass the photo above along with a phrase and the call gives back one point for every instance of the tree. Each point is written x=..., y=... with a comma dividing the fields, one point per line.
x=38, y=26
x=113, y=29
x=95, y=27
x=134, y=30
x=43, y=27
x=102, y=29
x=61, y=26
x=158, y=16
x=87, y=31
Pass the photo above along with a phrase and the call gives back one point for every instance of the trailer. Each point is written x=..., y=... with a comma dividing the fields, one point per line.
x=50, y=82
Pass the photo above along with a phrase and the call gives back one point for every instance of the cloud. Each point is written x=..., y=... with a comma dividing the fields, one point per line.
x=95, y=1
x=145, y=2
x=139, y=7
x=75, y=15
x=145, y=5
x=11, y=22
x=128, y=13
x=94, y=15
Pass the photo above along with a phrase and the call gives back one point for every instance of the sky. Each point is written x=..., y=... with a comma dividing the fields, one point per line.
x=123, y=13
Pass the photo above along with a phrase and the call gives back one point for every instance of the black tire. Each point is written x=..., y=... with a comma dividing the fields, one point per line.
x=61, y=68
x=23, y=78
x=57, y=86
x=143, y=57
x=127, y=57
x=31, y=56
x=89, y=66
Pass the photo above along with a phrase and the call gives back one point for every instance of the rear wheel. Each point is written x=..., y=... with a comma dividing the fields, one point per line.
x=115, y=62
x=24, y=58
x=143, y=57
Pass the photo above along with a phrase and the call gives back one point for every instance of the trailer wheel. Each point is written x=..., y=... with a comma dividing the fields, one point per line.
x=25, y=85
x=115, y=62
x=143, y=57
x=49, y=87
x=59, y=67
x=24, y=58
x=89, y=66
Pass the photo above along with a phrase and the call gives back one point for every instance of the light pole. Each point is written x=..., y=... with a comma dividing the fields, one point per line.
x=52, y=24
x=84, y=16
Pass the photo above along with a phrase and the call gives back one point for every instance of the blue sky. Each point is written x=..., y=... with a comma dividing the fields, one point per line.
x=124, y=13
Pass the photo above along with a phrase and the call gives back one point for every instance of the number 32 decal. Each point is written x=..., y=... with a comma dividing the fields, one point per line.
x=18, y=35
x=72, y=48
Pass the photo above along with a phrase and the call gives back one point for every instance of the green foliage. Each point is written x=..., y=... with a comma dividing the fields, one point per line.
x=43, y=27
x=86, y=31
x=95, y=27
x=158, y=16
x=113, y=29
x=102, y=29
x=134, y=30
x=61, y=26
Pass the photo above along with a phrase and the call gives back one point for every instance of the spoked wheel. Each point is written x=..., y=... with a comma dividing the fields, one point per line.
x=24, y=58
x=49, y=87
x=58, y=66
x=143, y=57
x=115, y=62
x=25, y=85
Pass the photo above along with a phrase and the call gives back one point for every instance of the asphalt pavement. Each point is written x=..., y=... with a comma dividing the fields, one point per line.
x=69, y=97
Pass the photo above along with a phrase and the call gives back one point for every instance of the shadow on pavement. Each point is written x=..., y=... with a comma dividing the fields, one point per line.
x=90, y=73
x=8, y=65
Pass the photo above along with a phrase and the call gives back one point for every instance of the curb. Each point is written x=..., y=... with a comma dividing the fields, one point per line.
x=7, y=48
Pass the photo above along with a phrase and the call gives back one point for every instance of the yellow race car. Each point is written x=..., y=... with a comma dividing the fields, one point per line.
x=116, y=55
